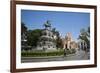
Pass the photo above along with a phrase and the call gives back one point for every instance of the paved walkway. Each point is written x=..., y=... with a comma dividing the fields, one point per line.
x=79, y=55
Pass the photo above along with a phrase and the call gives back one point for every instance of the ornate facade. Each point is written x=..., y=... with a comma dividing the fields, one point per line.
x=69, y=43
x=46, y=41
x=82, y=45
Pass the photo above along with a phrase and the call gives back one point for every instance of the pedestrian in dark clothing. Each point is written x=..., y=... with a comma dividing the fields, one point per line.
x=65, y=52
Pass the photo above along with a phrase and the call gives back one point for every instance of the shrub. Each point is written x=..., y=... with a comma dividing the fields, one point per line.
x=44, y=53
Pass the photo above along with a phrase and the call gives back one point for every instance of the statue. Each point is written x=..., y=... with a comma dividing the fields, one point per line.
x=47, y=24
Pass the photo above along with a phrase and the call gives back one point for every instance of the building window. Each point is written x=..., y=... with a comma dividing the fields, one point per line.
x=48, y=46
x=49, y=34
x=52, y=35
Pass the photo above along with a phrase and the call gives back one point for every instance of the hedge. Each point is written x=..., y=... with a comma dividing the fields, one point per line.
x=44, y=53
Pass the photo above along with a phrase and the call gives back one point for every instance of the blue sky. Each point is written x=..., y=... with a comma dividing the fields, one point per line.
x=64, y=22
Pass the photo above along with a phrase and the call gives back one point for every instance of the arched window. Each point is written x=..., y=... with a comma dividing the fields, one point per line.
x=48, y=46
x=49, y=34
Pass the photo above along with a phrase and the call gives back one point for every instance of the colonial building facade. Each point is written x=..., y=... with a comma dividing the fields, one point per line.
x=69, y=43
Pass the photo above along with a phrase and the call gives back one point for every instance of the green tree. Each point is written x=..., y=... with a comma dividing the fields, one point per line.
x=23, y=33
x=23, y=28
x=23, y=36
x=33, y=37
x=58, y=40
